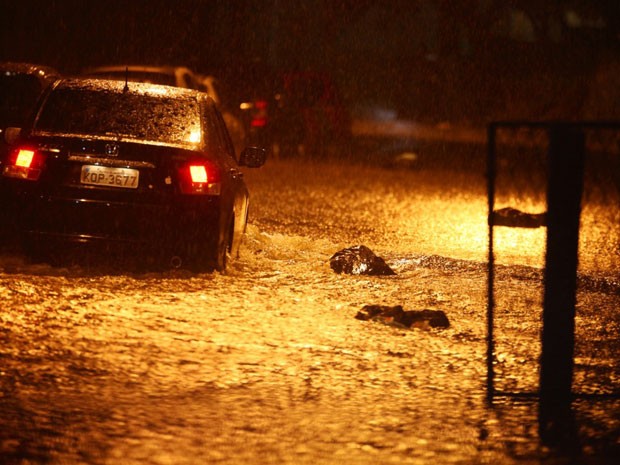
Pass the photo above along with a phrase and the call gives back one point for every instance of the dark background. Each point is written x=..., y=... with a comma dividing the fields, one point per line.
x=432, y=60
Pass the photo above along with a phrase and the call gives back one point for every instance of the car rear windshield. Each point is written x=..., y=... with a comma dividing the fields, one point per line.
x=137, y=116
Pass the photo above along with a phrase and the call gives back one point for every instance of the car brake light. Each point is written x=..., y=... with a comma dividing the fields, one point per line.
x=199, y=179
x=259, y=119
x=24, y=164
x=24, y=158
x=259, y=122
x=198, y=173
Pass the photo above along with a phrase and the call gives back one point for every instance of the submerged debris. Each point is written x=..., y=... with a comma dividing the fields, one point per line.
x=404, y=318
x=517, y=219
x=359, y=260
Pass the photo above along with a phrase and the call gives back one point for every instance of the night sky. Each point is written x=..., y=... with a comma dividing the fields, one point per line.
x=428, y=59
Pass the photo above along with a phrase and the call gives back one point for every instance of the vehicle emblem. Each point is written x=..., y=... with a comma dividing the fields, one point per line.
x=111, y=150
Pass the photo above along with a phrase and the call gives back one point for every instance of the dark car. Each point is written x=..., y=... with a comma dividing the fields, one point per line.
x=253, y=89
x=293, y=112
x=21, y=84
x=112, y=167
x=311, y=117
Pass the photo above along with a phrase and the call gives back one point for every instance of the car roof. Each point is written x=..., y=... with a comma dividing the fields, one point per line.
x=138, y=68
x=118, y=86
x=180, y=76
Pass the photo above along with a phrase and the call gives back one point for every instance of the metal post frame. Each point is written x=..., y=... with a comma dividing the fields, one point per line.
x=491, y=262
x=566, y=164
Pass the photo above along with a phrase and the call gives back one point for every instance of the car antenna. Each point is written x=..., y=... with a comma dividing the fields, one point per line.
x=126, y=88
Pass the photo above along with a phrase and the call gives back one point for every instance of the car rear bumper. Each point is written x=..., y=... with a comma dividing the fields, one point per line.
x=167, y=225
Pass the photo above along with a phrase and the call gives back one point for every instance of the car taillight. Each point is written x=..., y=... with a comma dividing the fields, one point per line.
x=24, y=164
x=198, y=174
x=259, y=122
x=199, y=179
x=259, y=118
x=24, y=158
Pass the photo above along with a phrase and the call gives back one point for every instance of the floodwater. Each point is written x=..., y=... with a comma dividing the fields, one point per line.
x=266, y=364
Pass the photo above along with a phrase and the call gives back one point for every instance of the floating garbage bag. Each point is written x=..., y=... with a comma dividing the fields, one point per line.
x=359, y=260
x=517, y=219
x=396, y=316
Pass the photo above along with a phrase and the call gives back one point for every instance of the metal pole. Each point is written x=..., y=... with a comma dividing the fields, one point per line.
x=491, y=261
x=566, y=163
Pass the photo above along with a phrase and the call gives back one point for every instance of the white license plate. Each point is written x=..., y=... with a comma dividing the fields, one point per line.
x=106, y=176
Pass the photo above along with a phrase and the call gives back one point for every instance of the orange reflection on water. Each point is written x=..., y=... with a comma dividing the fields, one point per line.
x=457, y=227
x=520, y=246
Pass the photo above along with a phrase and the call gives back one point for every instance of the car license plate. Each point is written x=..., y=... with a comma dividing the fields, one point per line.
x=106, y=176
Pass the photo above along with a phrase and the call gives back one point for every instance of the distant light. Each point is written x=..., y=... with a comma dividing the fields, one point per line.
x=572, y=18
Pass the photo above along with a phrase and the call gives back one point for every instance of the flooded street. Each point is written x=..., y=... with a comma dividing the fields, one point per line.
x=266, y=364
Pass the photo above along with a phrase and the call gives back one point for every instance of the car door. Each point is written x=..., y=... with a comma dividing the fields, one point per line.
x=235, y=196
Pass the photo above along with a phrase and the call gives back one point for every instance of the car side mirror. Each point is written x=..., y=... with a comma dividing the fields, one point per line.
x=253, y=157
x=11, y=135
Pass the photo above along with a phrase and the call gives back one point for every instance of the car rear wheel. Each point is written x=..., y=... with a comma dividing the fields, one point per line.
x=210, y=255
x=225, y=247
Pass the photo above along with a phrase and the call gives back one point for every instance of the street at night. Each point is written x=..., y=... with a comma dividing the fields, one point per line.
x=267, y=363
x=470, y=148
